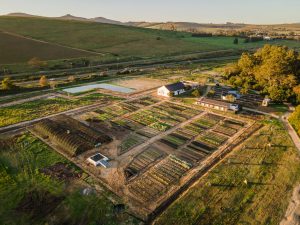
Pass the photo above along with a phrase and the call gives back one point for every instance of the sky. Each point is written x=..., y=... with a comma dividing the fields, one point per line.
x=200, y=11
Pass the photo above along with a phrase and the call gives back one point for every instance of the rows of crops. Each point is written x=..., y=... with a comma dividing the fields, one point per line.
x=159, y=179
x=120, y=109
x=130, y=142
x=228, y=127
x=196, y=140
x=142, y=161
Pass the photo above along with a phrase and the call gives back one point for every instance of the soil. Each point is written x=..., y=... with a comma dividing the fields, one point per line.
x=140, y=84
x=61, y=171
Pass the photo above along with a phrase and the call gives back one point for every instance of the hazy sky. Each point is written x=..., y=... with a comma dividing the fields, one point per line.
x=205, y=11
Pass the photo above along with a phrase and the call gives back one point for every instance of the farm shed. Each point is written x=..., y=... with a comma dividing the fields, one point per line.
x=99, y=160
x=219, y=105
x=171, y=89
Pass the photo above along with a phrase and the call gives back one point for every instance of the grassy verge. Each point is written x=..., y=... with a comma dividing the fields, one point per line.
x=252, y=186
x=43, y=107
x=52, y=200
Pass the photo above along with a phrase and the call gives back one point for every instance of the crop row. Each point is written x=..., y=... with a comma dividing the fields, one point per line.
x=155, y=182
x=130, y=142
x=141, y=161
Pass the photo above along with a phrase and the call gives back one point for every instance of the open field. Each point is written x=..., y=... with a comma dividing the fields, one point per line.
x=251, y=186
x=119, y=40
x=38, y=186
x=17, y=49
x=47, y=106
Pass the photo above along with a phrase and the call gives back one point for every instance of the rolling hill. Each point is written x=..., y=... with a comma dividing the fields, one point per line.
x=110, y=39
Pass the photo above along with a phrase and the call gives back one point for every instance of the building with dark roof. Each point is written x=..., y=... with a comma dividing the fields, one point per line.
x=171, y=89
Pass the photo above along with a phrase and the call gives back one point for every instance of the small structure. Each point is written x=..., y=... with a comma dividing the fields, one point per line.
x=99, y=160
x=267, y=38
x=230, y=96
x=171, y=89
x=266, y=102
x=219, y=105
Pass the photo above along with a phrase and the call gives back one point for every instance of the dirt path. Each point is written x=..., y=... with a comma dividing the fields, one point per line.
x=292, y=215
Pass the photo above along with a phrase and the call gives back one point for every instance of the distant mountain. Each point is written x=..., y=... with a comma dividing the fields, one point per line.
x=104, y=20
x=18, y=14
x=71, y=17
x=181, y=26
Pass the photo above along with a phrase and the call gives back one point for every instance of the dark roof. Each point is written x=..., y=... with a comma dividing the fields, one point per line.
x=175, y=87
x=214, y=102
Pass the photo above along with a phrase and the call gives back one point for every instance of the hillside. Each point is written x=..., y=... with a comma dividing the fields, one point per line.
x=114, y=40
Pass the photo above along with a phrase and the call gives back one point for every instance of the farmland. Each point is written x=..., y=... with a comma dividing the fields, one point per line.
x=268, y=163
x=114, y=40
x=17, y=49
x=43, y=107
x=155, y=146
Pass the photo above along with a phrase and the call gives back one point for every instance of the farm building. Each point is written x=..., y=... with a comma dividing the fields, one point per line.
x=219, y=105
x=171, y=89
x=99, y=160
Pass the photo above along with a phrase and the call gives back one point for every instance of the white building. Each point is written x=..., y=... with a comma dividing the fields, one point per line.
x=171, y=89
x=99, y=160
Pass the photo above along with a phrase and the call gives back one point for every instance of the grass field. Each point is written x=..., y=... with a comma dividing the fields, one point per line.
x=251, y=186
x=43, y=107
x=28, y=196
x=121, y=41
x=18, y=49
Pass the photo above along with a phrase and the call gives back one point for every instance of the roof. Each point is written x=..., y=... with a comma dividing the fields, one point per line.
x=175, y=87
x=214, y=102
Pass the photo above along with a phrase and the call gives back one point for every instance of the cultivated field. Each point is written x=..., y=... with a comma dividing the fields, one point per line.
x=120, y=41
x=251, y=186
x=47, y=106
x=17, y=49
x=154, y=146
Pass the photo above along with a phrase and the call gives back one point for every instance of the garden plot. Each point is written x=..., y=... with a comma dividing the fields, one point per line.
x=211, y=139
x=141, y=161
x=127, y=124
x=142, y=102
x=228, y=127
x=158, y=179
x=130, y=142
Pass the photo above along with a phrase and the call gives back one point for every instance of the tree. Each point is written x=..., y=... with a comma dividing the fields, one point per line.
x=7, y=84
x=196, y=93
x=272, y=70
x=236, y=41
x=296, y=90
x=43, y=81
x=36, y=63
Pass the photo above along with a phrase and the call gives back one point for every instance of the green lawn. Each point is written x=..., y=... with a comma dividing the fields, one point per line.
x=43, y=107
x=252, y=186
x=20, y=177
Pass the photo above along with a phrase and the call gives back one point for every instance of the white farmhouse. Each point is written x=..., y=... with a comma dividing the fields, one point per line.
x=171, y=89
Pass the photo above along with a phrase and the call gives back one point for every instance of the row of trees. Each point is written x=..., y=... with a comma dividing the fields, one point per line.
x=272, y=70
